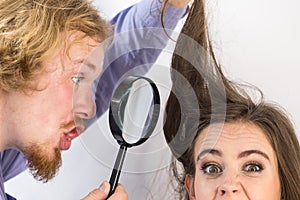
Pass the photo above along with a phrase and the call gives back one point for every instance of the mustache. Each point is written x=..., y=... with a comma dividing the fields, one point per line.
x=76, y=122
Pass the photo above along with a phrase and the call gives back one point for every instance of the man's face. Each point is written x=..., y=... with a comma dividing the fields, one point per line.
x=44, y=122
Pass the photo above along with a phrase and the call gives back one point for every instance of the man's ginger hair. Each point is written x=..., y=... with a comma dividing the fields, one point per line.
x=32, y=30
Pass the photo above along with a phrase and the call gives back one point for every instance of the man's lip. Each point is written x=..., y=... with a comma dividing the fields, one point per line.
x=65, y=143
x=74, y=132
x=69, y=135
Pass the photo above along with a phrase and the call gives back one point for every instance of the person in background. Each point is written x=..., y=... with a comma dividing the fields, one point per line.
x=140, y=34
x=227, y=143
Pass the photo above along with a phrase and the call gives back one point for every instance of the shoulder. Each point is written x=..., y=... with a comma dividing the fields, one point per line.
x=12, y=163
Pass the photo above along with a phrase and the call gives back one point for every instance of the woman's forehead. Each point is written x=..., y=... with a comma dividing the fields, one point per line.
x=238, y=136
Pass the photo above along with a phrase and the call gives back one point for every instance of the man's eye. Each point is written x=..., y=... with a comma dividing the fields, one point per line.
x=76, y=79
x=253, y=167
x=211, y=169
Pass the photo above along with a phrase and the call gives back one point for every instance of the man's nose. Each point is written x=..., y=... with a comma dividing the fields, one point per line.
x=85, y=106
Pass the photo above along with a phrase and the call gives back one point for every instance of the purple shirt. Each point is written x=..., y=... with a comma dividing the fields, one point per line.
x=12, y=163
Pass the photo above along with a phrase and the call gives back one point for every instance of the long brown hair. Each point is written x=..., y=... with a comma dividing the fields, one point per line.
x=216, y=99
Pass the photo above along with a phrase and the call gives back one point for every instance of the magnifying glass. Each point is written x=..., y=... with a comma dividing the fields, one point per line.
x=133, y=115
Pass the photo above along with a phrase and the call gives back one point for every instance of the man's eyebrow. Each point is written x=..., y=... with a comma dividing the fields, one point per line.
x=90, y=65
x=87, y=63
x=210, y=151
x=249, y=152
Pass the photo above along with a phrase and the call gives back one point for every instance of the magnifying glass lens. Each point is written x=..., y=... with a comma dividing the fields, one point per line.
x=137, y=112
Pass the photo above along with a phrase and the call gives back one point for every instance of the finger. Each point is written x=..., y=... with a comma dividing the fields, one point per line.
x=119, y=194
x=105, y=187
x=100, y=193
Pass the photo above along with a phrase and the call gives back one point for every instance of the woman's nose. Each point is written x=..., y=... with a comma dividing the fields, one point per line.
x=230, y=186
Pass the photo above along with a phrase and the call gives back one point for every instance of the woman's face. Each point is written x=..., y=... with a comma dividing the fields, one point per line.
x=241, y=165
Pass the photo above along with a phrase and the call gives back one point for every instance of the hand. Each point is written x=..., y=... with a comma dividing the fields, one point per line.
x=179, y=3
x=102, y=192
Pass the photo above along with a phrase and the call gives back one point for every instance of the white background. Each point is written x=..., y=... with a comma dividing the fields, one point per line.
x=257, y=42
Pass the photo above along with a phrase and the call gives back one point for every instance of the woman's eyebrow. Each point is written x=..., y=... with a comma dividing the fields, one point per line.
x=241, y=155
x=249, y=152
x=209, y=151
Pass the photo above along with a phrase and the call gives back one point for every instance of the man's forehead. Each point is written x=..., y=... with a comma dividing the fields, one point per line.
x=78, y=54
x=94, y=61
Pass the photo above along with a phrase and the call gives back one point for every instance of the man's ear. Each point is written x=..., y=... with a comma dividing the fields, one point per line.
x=189, y=185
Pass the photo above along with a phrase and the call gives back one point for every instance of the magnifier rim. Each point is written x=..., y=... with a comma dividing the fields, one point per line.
x=115, y=103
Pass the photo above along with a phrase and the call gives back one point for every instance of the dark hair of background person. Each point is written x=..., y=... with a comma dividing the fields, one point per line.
x=238, y=104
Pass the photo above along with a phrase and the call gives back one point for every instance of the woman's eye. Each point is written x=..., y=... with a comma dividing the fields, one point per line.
x=76, y=79
x=253, y=167
x=211, y=169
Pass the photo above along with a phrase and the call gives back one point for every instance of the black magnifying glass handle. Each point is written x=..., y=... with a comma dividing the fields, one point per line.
x=114, y=178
